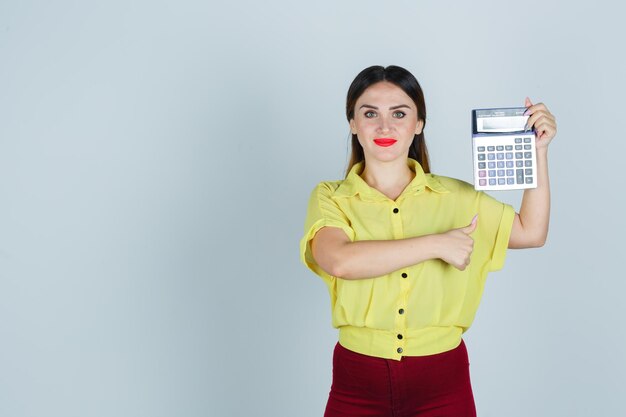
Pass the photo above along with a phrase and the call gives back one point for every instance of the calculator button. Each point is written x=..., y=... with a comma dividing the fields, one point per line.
x=519, y=155
x=481, y=149
x=509, y=155
x=491, y=148
x=482, y=174
x=500, y=164
x=509, y=164
x=518, y=147
x=500, y=155
x=499, y=148
x=481, y=165
x=509, y=147
x=501, y=173
x=528, y=171
x=482, y=182
x=519, y=164
x=491, y=165
x=526, y=140
x=501, y=181
x=510, y=181
x=492, y=173
x=528, y=163
x=520, y=176
x=518, y=140
x=492, y=182
x=491, y=156
x=529, y=180
x=481, y=156
x=510, y=173
x=527, y=147
x=528, y=155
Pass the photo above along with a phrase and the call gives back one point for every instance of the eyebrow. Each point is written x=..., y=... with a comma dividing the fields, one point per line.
x=400, y=106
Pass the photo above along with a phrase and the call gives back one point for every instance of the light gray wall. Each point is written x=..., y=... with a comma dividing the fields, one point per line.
x=155, y=163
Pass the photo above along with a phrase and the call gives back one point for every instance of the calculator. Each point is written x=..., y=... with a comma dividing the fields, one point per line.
x=504, y=155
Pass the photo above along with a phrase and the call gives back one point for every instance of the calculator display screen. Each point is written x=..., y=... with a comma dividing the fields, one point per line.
x=500, y=120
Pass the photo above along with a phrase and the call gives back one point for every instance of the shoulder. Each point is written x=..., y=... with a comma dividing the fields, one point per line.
x=464, y=193
x=327, y=188
x=452, y=185
x=325, y=191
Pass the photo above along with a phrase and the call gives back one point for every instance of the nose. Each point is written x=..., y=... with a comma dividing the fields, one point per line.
x=384, y=125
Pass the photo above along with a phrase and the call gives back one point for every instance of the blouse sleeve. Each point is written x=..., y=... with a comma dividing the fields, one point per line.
x=323, y=211
x=495, y=221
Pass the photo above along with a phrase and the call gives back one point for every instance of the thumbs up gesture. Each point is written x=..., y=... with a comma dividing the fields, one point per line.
x=457, y=245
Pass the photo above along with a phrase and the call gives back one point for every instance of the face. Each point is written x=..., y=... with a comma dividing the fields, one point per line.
x=385, y=122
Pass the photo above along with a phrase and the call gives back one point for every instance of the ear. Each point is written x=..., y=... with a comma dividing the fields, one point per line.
x=352, y=126
x=419, y=127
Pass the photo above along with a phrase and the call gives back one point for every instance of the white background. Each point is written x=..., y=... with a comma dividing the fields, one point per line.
x=156, y=160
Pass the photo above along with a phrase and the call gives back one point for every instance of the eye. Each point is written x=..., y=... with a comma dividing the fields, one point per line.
x=369, y=114
x=399, y=114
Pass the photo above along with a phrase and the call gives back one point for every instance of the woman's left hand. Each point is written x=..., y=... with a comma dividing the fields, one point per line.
x=542, y=121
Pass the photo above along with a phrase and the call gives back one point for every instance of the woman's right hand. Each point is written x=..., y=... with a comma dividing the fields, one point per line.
x=457, y=245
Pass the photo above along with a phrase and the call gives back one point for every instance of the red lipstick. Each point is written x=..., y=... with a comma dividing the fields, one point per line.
x=384, y=142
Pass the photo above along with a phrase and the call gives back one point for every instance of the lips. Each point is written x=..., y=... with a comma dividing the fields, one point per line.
x=384, y=142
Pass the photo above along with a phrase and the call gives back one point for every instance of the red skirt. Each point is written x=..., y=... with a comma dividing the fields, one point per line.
x=426, y=386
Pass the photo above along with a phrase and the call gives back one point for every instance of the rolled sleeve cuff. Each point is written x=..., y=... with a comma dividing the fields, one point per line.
x=306, y=255
x=502, y=238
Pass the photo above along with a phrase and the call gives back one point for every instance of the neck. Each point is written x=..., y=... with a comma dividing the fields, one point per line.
x=390, y=178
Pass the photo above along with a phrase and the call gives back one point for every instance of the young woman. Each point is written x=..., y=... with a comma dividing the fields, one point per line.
x=405, y=255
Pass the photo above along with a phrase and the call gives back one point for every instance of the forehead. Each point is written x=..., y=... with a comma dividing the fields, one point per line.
x=383, y=93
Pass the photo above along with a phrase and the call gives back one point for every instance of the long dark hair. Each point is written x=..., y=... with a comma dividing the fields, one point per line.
x=407, y=82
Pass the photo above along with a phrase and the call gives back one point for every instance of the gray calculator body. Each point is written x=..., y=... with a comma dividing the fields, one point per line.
x=504, y=155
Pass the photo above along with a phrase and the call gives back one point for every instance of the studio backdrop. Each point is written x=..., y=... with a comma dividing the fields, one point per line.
x=156, y=159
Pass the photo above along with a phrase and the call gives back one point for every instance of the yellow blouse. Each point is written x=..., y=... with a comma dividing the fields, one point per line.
x=422, y=309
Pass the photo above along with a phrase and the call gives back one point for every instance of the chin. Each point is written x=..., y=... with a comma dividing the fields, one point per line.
x=387, y=157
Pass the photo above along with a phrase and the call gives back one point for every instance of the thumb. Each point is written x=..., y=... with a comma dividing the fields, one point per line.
x=471, y=227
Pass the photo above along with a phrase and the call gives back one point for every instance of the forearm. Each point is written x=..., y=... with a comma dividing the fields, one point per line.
x=372, y=258
x=534, y=214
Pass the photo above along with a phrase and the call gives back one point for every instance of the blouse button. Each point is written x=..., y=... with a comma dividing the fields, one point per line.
x=404, y=275
x=400, y=336
x=399, y=350
x=401, y=311
x=396, y=210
